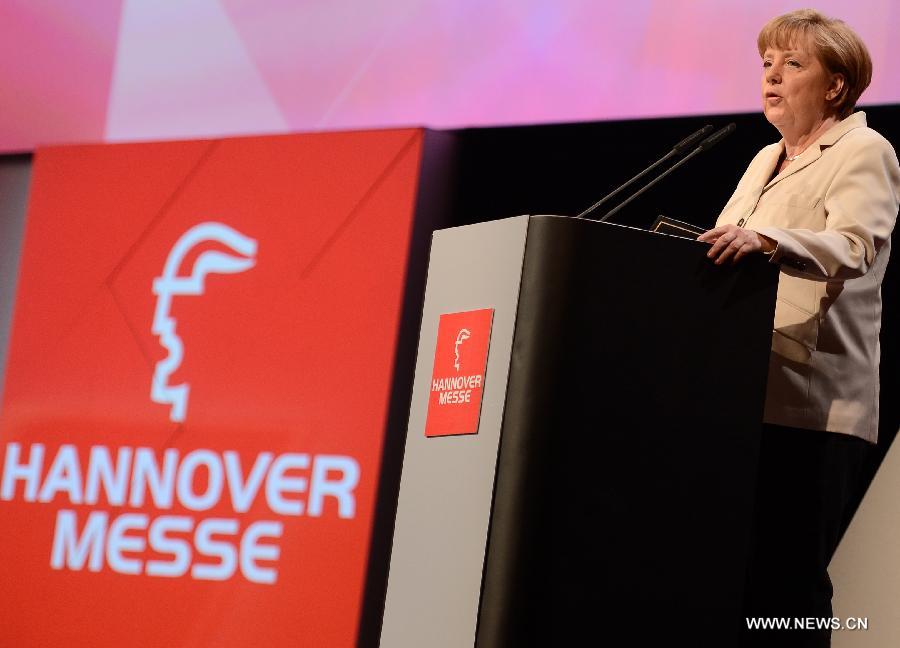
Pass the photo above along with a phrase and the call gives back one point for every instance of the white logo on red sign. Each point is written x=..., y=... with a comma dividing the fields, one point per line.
x=171, y=284
x=462, y=336
x=457, y=381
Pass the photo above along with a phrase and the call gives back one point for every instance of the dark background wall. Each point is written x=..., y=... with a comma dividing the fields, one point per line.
x=491, y=173
x=481, y=174
x=15, y=174
x=562, y=169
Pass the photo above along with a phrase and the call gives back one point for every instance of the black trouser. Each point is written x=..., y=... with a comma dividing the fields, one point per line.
x=806, y=493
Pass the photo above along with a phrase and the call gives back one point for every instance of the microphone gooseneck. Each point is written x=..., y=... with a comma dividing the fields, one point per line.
x=705, y=145
x=678, y=149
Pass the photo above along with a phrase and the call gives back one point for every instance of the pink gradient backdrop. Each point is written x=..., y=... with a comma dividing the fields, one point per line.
x=56, y=63
x=132, y=70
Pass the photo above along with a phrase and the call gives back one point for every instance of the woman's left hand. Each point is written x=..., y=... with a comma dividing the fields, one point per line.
x=733, y=242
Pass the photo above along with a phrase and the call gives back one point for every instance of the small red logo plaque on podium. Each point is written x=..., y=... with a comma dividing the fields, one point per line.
x=457, y=381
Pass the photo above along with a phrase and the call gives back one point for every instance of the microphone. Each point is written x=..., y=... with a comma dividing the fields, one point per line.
x=691, y=139
x=705, y=145
x=678, y=149
x=717, y=137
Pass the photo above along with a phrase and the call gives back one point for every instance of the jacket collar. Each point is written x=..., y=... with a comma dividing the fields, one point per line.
x=814, y=151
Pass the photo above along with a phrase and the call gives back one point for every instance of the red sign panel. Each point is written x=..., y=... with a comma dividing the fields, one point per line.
x=457, y=381
x=197, y=386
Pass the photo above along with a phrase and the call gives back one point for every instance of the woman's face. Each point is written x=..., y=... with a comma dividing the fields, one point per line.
x=795, y=88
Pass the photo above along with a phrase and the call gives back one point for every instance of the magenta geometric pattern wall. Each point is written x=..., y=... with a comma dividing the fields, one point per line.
x=114, y=70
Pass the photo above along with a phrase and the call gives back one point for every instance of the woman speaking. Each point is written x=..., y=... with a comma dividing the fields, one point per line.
x=821, y=203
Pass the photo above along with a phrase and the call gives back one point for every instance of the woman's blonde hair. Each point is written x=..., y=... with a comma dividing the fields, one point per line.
x=838, y=48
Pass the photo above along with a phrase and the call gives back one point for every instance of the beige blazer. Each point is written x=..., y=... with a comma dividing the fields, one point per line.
x=831, y=212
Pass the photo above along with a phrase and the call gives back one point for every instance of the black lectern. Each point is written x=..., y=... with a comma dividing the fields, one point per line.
x=609, y=488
